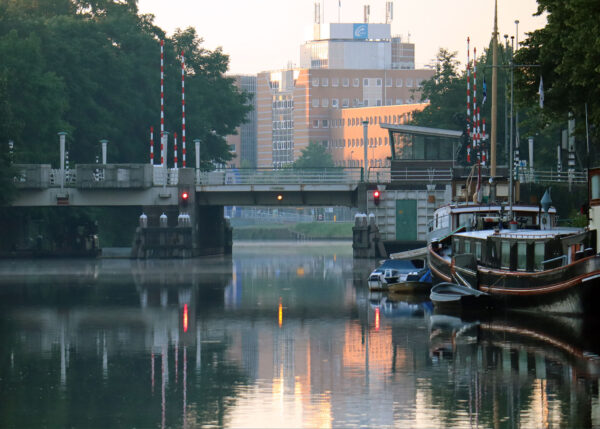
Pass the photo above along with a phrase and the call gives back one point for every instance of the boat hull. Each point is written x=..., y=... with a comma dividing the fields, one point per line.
x=572, y=288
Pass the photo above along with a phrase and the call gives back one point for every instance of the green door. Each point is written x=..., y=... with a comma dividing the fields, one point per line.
x=406, y=220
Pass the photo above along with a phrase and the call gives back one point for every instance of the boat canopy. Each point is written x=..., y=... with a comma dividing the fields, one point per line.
x=410, y=254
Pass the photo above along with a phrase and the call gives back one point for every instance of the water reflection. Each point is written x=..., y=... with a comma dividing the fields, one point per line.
x=276, y=336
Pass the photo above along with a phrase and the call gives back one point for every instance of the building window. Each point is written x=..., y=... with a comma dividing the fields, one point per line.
x=389, y=82
x=378, y=82
x=315, y=102
x=335, y=82
x=399, y=101
x=324, y=81
x=356, y=82
x=409, y=83
x=420, y=83
x=398, y=83
x=335, y=103
x=315, y=81
x=316, y=123
x=366, y=103
x=325, y=102
x=379, y=102
x=345, y=82
x=365, y=82
x=325, y=123
x=345, y=102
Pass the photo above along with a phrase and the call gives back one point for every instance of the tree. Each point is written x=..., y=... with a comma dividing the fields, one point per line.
x=567, y=53
x=314, y=156
x=446, y=92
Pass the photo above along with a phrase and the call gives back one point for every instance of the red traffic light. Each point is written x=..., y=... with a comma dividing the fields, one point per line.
x=185, y=195
x=376, y=195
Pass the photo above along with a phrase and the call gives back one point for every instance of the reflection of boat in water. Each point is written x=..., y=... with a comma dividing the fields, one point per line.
x=551, y=339
x=402, y=274
x=393, y=305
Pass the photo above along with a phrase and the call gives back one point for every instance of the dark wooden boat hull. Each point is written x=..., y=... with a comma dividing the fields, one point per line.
x=572, y=288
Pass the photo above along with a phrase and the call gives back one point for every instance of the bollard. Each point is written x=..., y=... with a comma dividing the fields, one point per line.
x=143, y=220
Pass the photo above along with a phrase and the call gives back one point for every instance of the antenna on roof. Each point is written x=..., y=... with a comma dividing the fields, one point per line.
x=389, y=12
x=367, y=13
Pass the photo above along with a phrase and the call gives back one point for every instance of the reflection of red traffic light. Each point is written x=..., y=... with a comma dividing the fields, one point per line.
x=185, y=317
x=377, y=319
x=376, y=195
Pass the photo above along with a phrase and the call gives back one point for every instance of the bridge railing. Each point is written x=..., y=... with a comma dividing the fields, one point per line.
x=268, y=176
x=526, y=175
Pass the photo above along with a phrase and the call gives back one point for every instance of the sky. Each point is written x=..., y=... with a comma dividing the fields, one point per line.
x=260, y=35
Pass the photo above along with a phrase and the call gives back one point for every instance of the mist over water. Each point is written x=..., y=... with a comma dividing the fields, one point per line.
x=276, y=335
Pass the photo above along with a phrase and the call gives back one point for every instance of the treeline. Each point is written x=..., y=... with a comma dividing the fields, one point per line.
x=564, y=54
x=92, y=69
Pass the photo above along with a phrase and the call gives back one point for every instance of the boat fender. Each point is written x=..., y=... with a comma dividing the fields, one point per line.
x=426, y=278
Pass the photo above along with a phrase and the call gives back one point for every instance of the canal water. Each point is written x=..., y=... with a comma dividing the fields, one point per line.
x=279, y=335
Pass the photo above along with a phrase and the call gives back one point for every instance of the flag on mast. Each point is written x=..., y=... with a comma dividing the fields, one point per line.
x=541, y=91
x=484, y=92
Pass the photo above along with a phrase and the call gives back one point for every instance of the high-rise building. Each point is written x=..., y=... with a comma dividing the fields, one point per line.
x=243, y=144
x=347, y=66
x=297, y=106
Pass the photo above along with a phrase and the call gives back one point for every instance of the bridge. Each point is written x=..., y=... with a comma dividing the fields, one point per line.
x=148, y=185
x=195, y=225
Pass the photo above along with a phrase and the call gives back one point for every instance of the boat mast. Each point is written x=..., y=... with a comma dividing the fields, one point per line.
x=494, y=93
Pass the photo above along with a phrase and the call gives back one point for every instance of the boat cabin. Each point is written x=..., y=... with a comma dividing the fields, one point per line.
x=453, y=217
x=526, y=249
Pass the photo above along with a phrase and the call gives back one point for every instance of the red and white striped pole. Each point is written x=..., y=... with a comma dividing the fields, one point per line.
x=475, y=135
x=151, y=145
x=175, y=150
x=183, y=108
x=162, y=101
x=468, y=99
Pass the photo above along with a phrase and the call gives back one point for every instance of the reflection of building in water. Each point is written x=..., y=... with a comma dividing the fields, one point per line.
x=319, y=366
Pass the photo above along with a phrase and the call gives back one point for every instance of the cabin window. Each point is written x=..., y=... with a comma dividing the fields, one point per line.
x=478, y=250
x=456, y=249
x=505, y=254
x=538, y=255
x=595, y=191
x=467, y=246
x=521, y=256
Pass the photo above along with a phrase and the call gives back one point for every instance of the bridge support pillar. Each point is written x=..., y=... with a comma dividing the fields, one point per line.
x=213, y=231
x=366, y=240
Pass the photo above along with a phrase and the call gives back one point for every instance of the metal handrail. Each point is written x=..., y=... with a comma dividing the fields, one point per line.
x=268, y=176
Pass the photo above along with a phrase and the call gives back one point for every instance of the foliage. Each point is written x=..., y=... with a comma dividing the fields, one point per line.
x=91, y=68
x=567, y=53
x=314, y=156
x=446, y=92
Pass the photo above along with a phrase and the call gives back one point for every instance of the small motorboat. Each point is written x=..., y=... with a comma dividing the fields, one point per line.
x=401, y=275
x=451, y=295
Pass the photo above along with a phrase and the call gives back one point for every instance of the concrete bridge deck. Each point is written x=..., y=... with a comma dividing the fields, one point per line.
x=147, y=185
